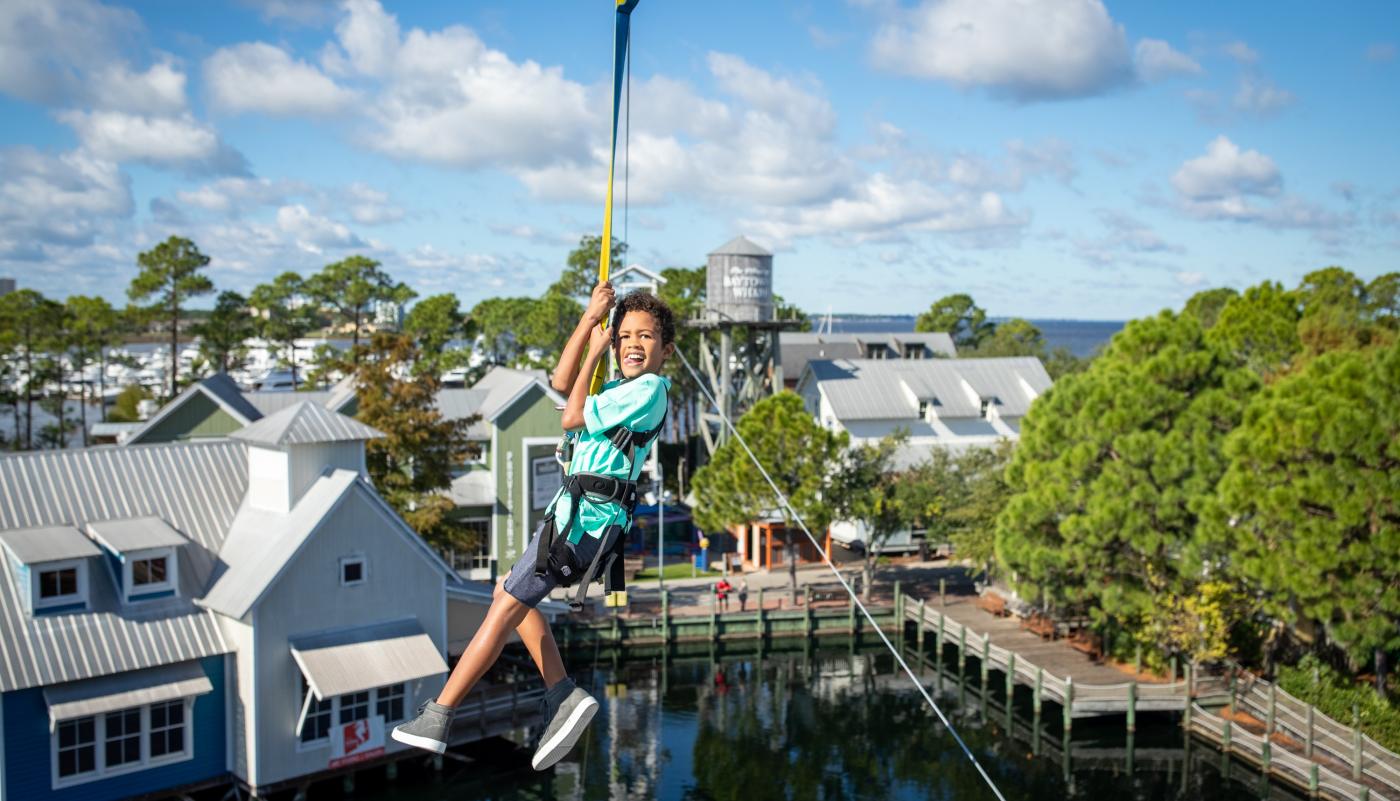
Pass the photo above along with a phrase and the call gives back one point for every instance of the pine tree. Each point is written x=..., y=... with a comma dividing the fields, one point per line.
x=171, y=274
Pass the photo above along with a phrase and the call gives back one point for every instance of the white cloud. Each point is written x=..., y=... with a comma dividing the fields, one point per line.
x=370, y=206
x=158, y=90
x=300, y=12
x=1127, y=239
x=1380, y=52
x=1157, y=60
x=884, y=207
x=1259, y=96
x=1246, y=186
x=235, y=195
x=1226, y=172
x=256, y=76
x=1026, y=51
x=315, y=233
x=1188, y=278
x=48, y=48
x=179, y=141
x=1241, y=52
x=56, y=201
x=369, y=36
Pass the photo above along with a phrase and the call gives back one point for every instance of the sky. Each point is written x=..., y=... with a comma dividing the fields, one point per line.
x=1052, y=158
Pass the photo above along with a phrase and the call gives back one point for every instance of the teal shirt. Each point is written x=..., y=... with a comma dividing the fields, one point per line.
x=638, y=404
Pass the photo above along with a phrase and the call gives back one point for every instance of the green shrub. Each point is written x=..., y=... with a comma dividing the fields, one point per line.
x=1336, y=695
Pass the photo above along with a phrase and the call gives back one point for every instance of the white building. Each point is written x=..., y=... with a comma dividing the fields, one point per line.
x=184, y=614
x=954, y=404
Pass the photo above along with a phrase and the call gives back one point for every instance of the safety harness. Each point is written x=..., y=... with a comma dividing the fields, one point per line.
x=555, y=554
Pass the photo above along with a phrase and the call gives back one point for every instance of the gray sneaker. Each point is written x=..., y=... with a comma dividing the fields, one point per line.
x=569, y=710
x=429, y=730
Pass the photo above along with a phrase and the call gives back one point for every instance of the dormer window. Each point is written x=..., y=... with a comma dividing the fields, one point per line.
x=52, y=563
x=143, y=553
x=148, y=575
x=60, y=585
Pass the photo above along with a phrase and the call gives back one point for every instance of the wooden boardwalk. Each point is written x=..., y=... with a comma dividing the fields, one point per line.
x=1253, y=720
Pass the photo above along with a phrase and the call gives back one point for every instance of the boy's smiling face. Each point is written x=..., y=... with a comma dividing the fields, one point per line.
x=639, y=348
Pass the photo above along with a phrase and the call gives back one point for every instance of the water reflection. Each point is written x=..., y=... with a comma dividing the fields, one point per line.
x=844, y=726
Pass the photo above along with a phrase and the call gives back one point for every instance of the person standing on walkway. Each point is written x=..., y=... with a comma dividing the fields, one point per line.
x=743, y=593
x=722, y=590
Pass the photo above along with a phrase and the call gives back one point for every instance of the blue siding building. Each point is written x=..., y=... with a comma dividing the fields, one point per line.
x=190, y=614
x=165, y=752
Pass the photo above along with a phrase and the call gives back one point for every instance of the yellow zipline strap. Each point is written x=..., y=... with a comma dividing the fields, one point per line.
x=621, y=29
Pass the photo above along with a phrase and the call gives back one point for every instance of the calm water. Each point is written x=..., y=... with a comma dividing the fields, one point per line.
x=836, y=726
x=1082, y=337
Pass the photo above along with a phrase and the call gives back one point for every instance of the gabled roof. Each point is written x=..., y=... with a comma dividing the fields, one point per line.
x=740, y=246
x=219, y=388
x=306, y=422
x=799, y=347
x=261, y=544
x=892, y=389
x=505, y=386
x=195, y=486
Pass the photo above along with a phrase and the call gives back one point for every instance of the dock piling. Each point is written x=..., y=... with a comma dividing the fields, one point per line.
x=666, y=615
x=1132, y=707
x=1069, y=705
x=942, y=592
x=919, y=630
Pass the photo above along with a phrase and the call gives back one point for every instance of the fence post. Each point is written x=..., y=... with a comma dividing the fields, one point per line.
x=1035, y=697
x=940, y=638
x=1173, y=681
x=851, y=621
x=1010, y=679
x=1356, y=742
x=762, y=626
x=986, y=657
x=1312, y=780
x=1311, y=712
x=1225, y=738
x=919, y=631
x=1269, y=724
x=962, y=649
x=942, y=592
x=807, y=607
x=1069, y=705
x=1132, y=707
x=898, y=616
x=666, y=615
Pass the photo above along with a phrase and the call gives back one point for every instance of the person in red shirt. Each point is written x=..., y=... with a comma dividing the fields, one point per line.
x=722, y=589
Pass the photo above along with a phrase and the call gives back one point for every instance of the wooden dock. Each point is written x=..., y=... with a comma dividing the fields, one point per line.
x=1245, y=717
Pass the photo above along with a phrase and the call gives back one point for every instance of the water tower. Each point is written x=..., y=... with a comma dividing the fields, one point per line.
x=739, y=306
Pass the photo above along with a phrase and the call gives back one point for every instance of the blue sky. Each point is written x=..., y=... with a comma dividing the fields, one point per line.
x=1053, y=158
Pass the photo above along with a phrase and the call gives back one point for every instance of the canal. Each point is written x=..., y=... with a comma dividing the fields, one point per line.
x=834, y=724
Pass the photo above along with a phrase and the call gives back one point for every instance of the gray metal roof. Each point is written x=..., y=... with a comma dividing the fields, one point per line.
x=76, y=699
x=269, y=402
x=304, y=423
x=135, y=534
x=260, y=543
x=195, y=486
x=33, y=546
x=799, y=347
x=354, y=660
x=740, y=246
x=219, y=388
x=462, y=404
x=505, y=385
x=892, y=389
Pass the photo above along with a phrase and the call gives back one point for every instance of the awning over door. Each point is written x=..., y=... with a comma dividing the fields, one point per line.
x=76, y=699
x=354, y=660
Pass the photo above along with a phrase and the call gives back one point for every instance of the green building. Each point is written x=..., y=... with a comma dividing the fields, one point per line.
x=501, y=494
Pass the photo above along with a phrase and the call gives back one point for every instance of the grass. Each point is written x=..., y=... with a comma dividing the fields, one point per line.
x=675, y=570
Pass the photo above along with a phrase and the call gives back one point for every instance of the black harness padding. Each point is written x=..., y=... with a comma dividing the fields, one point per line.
x=555, y=553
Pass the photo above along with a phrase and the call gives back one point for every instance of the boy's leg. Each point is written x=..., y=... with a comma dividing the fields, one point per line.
x=504, y=616
x=539, y=641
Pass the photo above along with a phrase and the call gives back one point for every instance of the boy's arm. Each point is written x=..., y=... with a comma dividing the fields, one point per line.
x=598, y=338
x=566, y=373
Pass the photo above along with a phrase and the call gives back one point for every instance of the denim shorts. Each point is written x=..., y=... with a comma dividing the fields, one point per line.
x=527, y=587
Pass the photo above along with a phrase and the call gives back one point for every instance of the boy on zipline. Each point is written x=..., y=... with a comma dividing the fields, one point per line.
x=582, y=533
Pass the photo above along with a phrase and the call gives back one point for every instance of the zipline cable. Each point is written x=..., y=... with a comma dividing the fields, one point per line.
x=782, y=498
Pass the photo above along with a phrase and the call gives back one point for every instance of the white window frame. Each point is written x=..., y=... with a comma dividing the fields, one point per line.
x=146, y=762
x=324, y=742
x=36, y=578
x=364, y=569
x=172, y=577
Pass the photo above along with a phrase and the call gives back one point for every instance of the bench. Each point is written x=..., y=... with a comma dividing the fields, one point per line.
x=992, y=603
x=1086, y=644
x=1040, y=625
